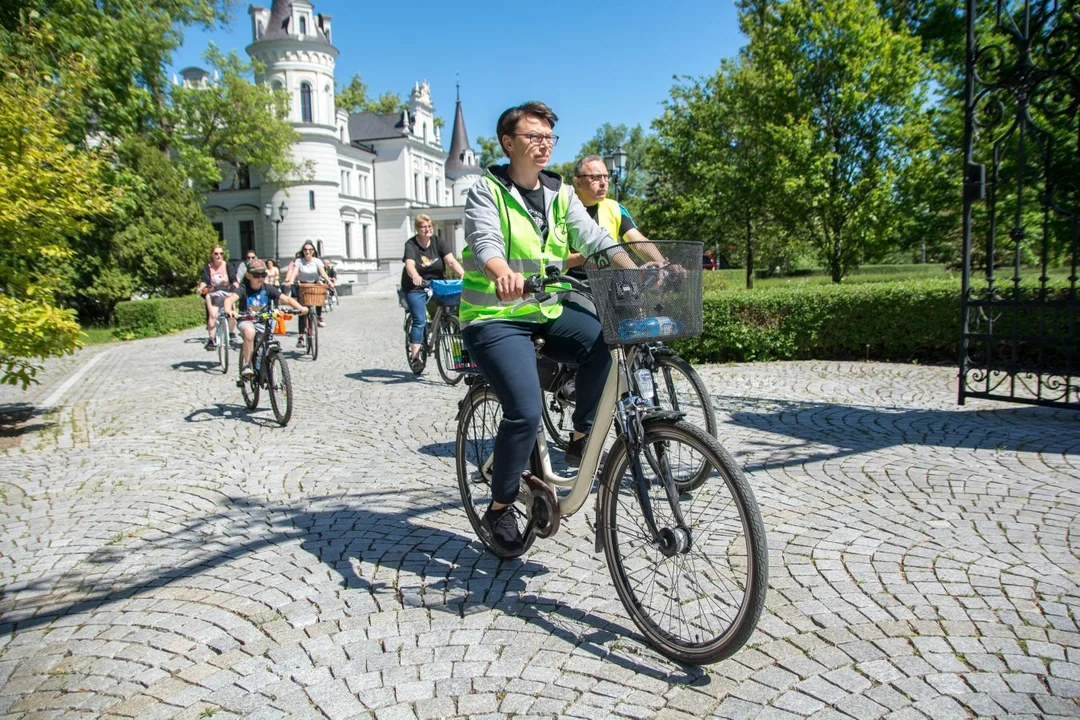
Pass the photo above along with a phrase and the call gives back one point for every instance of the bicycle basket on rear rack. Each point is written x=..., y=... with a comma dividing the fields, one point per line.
x=647, y=291
x=446, y=292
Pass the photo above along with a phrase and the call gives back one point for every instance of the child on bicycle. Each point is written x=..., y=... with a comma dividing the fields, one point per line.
x=254, y=295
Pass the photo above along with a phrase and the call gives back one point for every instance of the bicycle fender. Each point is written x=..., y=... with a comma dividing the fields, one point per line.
x=655, y=414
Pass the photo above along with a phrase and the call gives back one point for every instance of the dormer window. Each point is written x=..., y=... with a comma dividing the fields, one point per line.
x=303, y=25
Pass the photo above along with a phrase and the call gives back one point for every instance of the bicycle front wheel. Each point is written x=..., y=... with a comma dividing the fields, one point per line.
x=223, y=346
x=478, y=422
x=313, y=339
x=448, y=347
x=697, y=593
x=279, y=383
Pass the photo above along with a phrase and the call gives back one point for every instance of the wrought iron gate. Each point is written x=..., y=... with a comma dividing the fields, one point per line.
x=1021, y=226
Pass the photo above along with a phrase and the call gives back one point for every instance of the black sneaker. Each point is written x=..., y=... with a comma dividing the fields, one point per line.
x=416, y=365
x=211, y=345
x=573, y=453
x=505, y=536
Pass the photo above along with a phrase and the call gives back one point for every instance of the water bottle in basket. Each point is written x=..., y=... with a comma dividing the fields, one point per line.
x=649, y=328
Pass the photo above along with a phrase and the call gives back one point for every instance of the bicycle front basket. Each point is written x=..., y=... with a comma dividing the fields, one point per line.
x=446, y=292
x=647, y=291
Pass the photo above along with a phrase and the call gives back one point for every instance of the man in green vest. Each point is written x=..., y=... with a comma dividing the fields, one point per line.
x=591, y=185
x=519, y=219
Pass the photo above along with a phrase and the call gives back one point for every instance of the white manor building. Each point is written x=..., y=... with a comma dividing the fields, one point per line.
x=371, y=173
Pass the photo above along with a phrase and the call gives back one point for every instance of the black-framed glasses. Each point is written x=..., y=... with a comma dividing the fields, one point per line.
x=596, y=177
x=535, y=139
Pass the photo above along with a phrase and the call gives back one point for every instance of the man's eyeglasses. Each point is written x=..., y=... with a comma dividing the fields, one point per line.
x=535, y=139
x=595, y=178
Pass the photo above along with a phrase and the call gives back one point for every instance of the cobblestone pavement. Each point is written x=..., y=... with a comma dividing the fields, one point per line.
x=166, y=554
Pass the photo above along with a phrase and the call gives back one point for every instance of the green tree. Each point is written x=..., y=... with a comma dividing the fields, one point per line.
x=847, y=106
x=490, y=152
x=49, y=192
x=129, y=44
x=353, y=98
x=165, y=237
x=234, y=122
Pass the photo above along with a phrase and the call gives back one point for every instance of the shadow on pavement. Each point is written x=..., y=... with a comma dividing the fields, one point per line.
x=206, y=366
x=392, y=558
x=223, y=411
x=18, y=419
x=386, y=377
x=826, y=431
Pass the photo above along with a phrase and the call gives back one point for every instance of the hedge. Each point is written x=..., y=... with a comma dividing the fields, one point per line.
x=158, y=316
x=897, y=321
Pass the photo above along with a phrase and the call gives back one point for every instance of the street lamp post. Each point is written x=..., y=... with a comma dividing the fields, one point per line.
x=616, y=166
x=282, y=211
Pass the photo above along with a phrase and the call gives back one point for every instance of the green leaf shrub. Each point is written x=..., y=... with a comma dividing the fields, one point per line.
x=158, y=316
x=894, y=321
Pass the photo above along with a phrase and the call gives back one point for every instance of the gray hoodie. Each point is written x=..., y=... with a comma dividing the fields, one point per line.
x=483, y=231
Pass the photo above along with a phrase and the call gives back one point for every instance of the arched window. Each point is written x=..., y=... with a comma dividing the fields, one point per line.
x=305, y=103
x=303, y=25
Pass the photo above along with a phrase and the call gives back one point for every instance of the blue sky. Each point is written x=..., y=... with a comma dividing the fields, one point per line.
x=605, y=62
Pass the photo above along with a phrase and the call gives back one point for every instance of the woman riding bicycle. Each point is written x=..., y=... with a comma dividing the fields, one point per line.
x=214, y=285
x=307, y=269
x=425, y=255
x=518, y=220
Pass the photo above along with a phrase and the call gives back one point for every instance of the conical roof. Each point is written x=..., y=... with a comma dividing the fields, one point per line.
x=459, y=143
x=280, y=20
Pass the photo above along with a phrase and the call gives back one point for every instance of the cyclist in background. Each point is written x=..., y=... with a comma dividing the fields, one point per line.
x=308, y=268
x=253, y=296
x=426, y=258
x=214, y=285
x=591, y=185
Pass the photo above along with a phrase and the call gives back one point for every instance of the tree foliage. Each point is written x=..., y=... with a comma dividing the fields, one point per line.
x=50, y=191
x=353, y=98
x=233, y=122
x=490, y=151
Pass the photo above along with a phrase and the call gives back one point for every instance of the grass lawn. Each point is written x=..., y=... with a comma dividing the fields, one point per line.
x=735, y=279
x=92, y=335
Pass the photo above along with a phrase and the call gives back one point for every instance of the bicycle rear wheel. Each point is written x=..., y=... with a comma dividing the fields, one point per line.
x=478, y=422
x=697, y=602
x=557, y=412
x=679, y=387
x=448, y=346
x=279, y=383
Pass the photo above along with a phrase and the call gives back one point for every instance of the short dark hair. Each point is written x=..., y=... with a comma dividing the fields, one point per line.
x=509, y=119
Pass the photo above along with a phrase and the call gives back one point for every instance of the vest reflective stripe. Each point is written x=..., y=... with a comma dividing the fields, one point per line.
x=609, y=216
x=525, y=253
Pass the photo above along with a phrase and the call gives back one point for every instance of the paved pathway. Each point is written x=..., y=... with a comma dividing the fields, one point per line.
x=163, y=553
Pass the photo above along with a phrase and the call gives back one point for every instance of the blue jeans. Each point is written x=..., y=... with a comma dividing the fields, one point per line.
x=504, y=352
x=417, y=302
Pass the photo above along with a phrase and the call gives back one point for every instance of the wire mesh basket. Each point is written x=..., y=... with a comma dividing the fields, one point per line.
x=312, y=294
x=647, y=291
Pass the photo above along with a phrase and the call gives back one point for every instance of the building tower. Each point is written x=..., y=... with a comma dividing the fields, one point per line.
x=294, y=46
x=461, y=165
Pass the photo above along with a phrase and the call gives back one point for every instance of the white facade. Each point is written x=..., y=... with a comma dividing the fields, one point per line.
x=366, y=178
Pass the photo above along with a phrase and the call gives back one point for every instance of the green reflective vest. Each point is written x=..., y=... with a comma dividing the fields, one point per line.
x=525, y=253
x=609, y=216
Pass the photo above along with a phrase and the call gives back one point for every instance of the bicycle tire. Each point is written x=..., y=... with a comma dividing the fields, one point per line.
x=447, y=338
x=250, y=389
x=474, y=446
x=223, y=346
x=556, y=413
x=279, y=387
x=313, y=338
x=675, y=586
x=670, y=379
